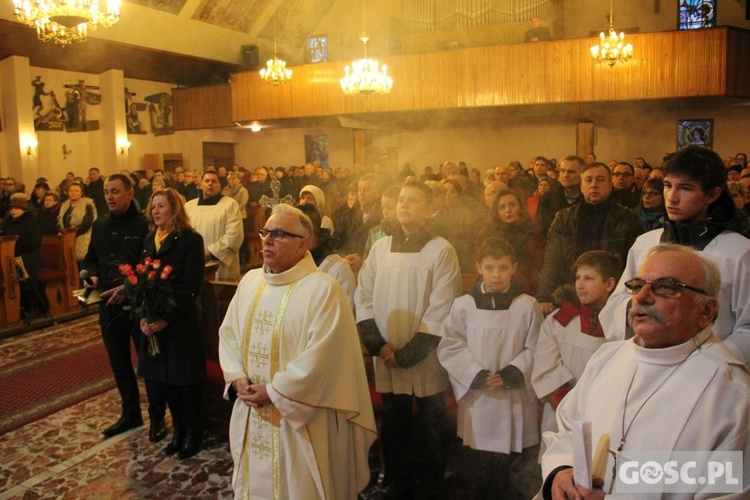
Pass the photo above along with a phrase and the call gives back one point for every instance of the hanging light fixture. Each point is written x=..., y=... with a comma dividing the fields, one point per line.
x=365, y=75
x=66, y=21
x=611, y=48
x=275, y=71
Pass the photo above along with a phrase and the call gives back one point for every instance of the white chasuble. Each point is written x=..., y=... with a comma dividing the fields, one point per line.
x=295, y=332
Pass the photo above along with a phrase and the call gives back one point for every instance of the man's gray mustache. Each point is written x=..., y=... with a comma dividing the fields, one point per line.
x=650, y=311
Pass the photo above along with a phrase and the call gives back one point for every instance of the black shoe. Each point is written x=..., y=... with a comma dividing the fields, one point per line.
x=192, y=445
x=178, y=441
x=157, y=430
x=122, y=425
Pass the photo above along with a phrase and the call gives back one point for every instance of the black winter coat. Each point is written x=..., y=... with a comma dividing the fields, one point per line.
x=29, y=240
x=182, y=360
x=580, y=228
x=115, y=239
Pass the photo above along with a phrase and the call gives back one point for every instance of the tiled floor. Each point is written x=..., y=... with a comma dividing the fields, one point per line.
x=65, y=456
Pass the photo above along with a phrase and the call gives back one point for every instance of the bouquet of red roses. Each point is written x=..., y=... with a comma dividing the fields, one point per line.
x=149, y=290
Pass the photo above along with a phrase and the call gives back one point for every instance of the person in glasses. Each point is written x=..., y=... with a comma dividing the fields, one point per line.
x=700, y=215
x=673, y=387
x=218, y=219
x=625, y=191
x=652, y=210
x=302, y=422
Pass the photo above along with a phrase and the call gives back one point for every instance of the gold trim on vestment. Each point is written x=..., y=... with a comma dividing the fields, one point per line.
x=244, y=458
x=269, y=413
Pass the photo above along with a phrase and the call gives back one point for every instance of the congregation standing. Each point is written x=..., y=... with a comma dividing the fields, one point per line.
x=493, y=290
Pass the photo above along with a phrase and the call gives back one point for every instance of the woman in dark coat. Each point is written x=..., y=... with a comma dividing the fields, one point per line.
x=21, y=222
x=181, y=364
x=510, y=220
x=49, y=213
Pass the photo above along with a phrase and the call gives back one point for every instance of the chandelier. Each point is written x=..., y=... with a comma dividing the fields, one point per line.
x=611, y=48
x=66, y=21
x=275, y=71
x=366, y=76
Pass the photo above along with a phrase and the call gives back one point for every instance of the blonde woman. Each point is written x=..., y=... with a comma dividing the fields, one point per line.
x=78, y=212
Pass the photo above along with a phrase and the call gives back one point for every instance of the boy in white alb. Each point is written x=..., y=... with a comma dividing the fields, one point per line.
x=488, y=351
x=572, y=333
x=406, y=287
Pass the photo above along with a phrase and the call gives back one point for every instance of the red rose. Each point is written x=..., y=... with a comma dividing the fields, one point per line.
x=151, y=275
x=148, y=260
x=156, y=264
x=166, y=271
x=125, y=269
x=132, y=279
x=141, y=268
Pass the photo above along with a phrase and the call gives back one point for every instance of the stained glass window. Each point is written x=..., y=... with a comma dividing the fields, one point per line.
x=696, y=14
x=698, y=132
x=316, y=49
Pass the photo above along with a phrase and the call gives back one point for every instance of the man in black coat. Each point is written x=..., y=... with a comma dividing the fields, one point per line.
x=569, y=175
x=117, y=238
x=95, y=191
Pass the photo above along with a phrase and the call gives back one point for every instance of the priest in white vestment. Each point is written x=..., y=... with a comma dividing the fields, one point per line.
x=673, y=387
x=218, y=219
x=302, y=424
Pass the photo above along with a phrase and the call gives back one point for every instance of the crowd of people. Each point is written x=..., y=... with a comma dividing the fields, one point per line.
x=564, y=262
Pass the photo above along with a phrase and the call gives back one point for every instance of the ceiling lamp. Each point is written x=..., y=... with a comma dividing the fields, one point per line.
x=66, y=21
x=365, y=75
x=275, y=71
x=611, y=48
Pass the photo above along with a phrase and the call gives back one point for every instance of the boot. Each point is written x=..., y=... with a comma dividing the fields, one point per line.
x=177, y=443
x=192, y=445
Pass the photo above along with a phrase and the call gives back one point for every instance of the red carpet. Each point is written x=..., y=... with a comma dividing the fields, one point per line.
x=34, y=388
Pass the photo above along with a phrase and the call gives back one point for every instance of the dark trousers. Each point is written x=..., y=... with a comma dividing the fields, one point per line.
x=184, y=403
x=118, y=331
x=414, y=445
x=500, y=476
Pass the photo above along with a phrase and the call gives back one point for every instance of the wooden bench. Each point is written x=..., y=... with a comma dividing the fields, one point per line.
x=58, y=271
x=10, y=305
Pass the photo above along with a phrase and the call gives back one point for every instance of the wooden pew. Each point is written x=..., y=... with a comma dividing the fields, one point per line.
x=59, y=271
x=10, y=305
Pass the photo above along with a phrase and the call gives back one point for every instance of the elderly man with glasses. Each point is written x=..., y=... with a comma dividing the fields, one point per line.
x=674, y=387
x=302, y=421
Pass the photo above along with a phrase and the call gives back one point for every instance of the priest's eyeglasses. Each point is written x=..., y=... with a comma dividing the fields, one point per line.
x=277, y=234
x=661, y=287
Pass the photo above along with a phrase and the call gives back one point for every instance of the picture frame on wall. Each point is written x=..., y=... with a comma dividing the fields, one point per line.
x=316, y=149
x=699, y=132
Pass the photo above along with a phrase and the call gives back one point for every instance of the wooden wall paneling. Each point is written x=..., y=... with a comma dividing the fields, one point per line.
x=665, y=65
x=203, y=107
x=738, y=69
x=584, y=138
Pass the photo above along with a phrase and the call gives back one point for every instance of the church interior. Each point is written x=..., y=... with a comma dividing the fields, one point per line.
x=177, y=82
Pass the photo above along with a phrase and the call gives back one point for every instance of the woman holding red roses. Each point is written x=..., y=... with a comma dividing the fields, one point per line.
x=172, y=352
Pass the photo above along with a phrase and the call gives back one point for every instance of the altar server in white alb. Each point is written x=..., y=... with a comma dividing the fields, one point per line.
x=701, y=215
x=406, y=287
x=302, y=423
x=488, y=351
x=218, y=219
x=673, y=387
x=573, y=332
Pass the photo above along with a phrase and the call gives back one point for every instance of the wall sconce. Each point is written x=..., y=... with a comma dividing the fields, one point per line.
x=255, y=128
x=66, y=151
x=124, y=145
x=29, y=145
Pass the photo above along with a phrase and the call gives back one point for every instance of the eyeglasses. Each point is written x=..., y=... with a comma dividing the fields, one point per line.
x=277, y=234
x=661, y=287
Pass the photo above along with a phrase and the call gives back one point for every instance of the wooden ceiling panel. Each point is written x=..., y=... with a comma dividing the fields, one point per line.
x=97, y=56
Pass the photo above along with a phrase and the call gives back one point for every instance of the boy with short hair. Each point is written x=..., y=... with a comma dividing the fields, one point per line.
x=488, y=351
x=388, y=201
x=572, y=333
